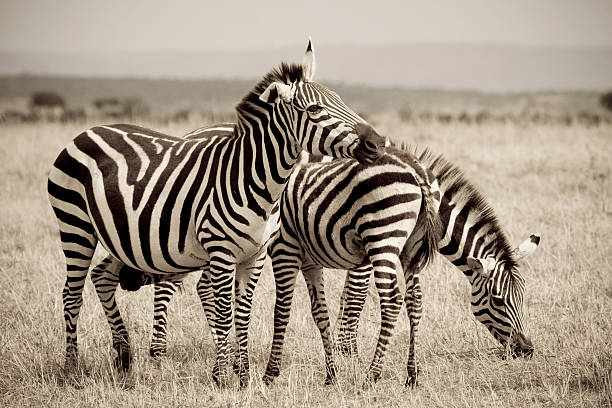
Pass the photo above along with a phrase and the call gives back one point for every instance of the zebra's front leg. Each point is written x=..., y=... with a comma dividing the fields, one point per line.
x=222, y=272
x=414, y=309
x=351, y=305
x=163, y=294
x=385, y=266
x=316, y=289
x=105, y=277
x=247, y=277
x=207, y=298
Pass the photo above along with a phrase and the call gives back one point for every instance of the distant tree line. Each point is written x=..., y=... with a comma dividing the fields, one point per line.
x=51, y=106
x=516, y=118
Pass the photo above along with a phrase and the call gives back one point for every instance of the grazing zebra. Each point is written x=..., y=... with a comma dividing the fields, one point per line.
x=344, y=215
x=475, y=243
x=164, y=206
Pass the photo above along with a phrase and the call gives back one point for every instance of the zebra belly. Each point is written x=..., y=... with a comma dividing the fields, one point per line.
x=153, y=258
x=335, y=253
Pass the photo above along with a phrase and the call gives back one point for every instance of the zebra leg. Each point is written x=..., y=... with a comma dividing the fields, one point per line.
x=385, y=265
x=207, y=298
x=105, y=277
x=413, y=300
x=286, y=263
x=316, y=289
x=222, y=271
x=78, y=250
x=246, y=281
x=163, y=294
x=351, y=305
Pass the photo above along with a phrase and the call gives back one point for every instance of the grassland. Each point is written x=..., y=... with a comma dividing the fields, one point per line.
x=550, y=179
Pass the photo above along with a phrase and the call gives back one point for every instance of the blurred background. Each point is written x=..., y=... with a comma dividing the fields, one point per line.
x=474, y=61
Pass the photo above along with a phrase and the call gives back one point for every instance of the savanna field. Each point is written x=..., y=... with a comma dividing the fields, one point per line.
x=552, y=179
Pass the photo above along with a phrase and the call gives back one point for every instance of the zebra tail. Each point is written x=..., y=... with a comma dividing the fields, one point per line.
x=428, y=222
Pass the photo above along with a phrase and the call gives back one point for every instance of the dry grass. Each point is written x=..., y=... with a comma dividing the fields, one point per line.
x=552, y=180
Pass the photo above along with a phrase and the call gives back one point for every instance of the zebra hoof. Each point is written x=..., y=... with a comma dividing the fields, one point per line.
x=245, y=378
x=220, y=376
x=267, y=379
x=123, y=359
x=371, y=380
x=411, y=379
x=330, y=378
x=157, y=352
x=272, y=371
x=236, y=366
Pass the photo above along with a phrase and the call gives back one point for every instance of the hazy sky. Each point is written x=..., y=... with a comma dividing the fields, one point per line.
x=79, y=25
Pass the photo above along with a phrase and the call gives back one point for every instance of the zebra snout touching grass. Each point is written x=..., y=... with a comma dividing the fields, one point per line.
x=474, y=241
x=164, y=206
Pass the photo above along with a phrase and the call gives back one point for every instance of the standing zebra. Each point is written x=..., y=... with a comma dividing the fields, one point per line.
x=344, y=215
x=164, y=206
x=474, y=242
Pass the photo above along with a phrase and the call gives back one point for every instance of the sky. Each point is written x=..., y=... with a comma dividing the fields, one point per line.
x=84, y=26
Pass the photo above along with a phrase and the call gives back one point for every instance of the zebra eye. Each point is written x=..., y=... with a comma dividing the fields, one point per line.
x=314, y=108
x=497, y=300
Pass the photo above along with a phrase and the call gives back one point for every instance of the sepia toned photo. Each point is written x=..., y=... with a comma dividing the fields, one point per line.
x=306, y=204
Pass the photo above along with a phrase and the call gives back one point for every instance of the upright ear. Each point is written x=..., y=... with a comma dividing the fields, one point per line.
x=527, y=247
x=276, y=91
x=481, y=266
x=309, y=64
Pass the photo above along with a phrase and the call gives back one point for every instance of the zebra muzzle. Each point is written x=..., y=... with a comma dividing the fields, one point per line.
x=371, y=145
x=522, y=346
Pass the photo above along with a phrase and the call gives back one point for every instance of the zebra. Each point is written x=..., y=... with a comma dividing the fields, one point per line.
x=164, y=206
x=341, y=214
x=473, y=241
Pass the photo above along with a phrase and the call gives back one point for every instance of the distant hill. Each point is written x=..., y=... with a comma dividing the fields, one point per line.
x=490, y=68
x=166, y=96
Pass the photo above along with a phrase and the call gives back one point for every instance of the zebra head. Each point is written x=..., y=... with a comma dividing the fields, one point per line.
x=318, y=119
x=497, y=302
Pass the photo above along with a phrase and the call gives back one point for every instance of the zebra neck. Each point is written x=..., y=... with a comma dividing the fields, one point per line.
x=467, y=233
x=269, y=152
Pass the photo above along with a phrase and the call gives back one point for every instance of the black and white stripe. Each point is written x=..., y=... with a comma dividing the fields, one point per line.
x=164, y=206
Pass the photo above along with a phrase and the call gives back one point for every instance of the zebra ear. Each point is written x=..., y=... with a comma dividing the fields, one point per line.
x=527, y=247
x=309, y=65
x=276, y=91
x=480, y=266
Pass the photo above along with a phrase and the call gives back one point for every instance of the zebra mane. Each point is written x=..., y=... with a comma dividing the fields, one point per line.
x=456, y=186
x=285, y=73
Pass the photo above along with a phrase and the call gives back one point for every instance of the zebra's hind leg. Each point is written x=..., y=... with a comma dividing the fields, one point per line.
x=77, y=264
x=286, y=263
x=414, y=301
x=78, y=244
x=385, y=266
x=163, y=294
x=105, y=277
x=351, y=305
x=316, y=289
